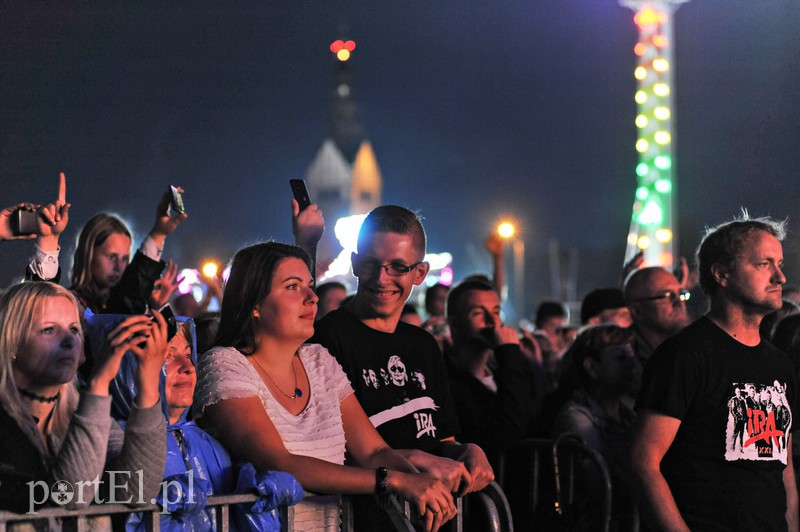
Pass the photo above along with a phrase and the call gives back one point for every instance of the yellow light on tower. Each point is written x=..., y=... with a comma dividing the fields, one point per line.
x=210, y=269
x=643, y=242
x=663, y=235
x=661, y=113
x=641, y=121
x=506, y=230
x=661, y=89
x=662, y=137
x=660, y=65
x=640, y=97
x=640, y=73
x=642, y=145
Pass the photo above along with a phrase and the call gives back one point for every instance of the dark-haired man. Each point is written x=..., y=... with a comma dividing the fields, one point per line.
x=688, y=474
x=410, y=403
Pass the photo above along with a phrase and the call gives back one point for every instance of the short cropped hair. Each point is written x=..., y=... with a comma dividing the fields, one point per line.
x=324, y=288
x=392, y=219
x=723, y=243
x=456, y=296
x=547, y=310
x=591, y=343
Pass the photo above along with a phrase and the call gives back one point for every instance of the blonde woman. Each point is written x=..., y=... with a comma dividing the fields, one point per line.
x=53, y=433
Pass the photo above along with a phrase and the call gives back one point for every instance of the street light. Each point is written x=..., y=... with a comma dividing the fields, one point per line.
x=507, y=231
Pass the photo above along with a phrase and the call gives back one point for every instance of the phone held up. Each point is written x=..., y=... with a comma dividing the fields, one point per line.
x=177, y=200
x=300, y=192
x=23, y=222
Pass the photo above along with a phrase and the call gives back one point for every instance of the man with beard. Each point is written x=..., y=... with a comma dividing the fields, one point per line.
x=489, y=381
x=687, y=475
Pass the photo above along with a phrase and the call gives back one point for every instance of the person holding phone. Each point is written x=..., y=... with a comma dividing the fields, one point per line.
x=54, y=432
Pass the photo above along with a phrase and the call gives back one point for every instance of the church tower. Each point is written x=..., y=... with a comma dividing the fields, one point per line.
x=344, y=178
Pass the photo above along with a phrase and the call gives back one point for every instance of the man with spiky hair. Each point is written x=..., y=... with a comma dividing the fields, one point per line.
x=688, y=474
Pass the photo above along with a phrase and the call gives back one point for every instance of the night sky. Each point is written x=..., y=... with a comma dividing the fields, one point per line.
x=475, y=110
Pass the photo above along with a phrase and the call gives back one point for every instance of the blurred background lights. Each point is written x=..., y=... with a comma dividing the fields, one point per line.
x=651, y=214
x=642, y=145
x=639, y=49
x=641, y=121
x=210, y=269
x=660, y=65
x=640, y=97
x=661, y=113
x=506, y=230
x=659, y=41
x=642, y=169
x=662, y=162
x=662, y=137
x=342, y=49
x=632, y=239
x=661, y=89
x=642, y=193
x=663, y=235
x=663, y=185
x=640, y=73
x=643, y=242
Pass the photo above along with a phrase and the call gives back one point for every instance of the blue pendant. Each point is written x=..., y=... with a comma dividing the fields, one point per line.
x=298, y=392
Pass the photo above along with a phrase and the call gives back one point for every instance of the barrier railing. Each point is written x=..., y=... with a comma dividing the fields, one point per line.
x=99, y=515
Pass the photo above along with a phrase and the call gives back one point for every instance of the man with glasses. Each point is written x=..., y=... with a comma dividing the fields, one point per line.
x=411, y=406
x=657, y=306
x=689, y=476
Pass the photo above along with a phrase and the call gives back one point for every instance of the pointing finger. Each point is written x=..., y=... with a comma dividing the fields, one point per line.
x=62, y=188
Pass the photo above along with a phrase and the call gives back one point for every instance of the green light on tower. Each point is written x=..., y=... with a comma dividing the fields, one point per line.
x=654, y=214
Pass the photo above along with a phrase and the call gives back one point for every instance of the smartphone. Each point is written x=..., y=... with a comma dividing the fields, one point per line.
x=23, y=222
x=177, y=200
x=300, y=192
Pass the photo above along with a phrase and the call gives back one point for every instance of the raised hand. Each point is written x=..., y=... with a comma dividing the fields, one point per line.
x=52, y=218
x=5, y=222
x=125, y=336
x=308, y=225
x=165, y=286
x=165, y=224
x=151, y=355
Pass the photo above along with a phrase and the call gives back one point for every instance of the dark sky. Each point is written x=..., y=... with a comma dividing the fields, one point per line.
x=475, y=110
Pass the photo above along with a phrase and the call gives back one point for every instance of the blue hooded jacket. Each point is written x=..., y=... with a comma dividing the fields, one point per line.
x=197, y=465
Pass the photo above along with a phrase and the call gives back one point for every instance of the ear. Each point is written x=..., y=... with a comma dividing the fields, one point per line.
x=420, y=272
x=256, y=313
x=588, y=365
x=720, y=274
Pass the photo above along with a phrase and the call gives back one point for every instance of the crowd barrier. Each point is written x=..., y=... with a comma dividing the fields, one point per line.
x=99, y=516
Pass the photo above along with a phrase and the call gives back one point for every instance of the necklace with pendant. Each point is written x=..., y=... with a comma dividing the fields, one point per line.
x=297, y=391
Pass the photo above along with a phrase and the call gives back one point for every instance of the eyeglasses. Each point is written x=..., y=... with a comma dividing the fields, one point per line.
x=671, y=295
x=395, y=269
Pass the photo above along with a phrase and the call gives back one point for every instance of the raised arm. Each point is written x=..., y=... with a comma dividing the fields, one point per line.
x=653, y=437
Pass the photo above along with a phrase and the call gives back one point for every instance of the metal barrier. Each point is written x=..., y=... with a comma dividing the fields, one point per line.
x=93, y=516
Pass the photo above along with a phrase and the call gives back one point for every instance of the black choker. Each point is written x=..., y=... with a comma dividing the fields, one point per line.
x=41, y=398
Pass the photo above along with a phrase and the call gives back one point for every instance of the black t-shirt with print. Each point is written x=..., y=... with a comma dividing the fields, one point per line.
x=399, y=378
x=724, y=473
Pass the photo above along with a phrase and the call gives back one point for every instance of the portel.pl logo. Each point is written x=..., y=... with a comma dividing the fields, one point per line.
x=63, y=493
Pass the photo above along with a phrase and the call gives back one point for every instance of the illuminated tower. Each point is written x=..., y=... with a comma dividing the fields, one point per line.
x=654, y=216
x=344, y=178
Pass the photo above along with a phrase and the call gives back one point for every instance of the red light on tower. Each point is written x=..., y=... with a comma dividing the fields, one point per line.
x=342, y=49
